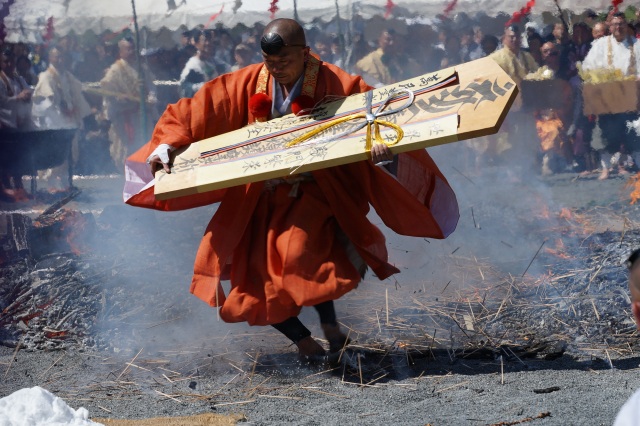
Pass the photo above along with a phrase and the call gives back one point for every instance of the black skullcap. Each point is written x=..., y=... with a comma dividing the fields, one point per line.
x=271, y=43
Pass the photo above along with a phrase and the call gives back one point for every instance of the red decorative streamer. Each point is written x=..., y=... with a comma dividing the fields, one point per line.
x=49, y=31
x=273, y=8
x=518, y=15
x=213, y=17
x=615, y=4
x=452, y=5
x=388, y=8
x=111, y=36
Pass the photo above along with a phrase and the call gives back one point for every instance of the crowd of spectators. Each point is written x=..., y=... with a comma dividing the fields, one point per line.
x=107, y=109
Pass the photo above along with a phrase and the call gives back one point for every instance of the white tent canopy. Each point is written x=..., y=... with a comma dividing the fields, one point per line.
x=27, y=19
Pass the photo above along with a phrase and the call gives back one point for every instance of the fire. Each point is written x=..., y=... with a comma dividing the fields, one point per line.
x=545, y=212
x=634, y=182
x=565, y=213
x=75, y=225
x=559, y=250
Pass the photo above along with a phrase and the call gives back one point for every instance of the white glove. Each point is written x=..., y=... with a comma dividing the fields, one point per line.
x=162, y=151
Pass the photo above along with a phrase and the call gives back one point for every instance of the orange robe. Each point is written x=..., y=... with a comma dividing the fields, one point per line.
x=282, y=250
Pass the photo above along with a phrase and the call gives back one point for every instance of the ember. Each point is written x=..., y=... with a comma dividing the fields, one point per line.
x=634, y=183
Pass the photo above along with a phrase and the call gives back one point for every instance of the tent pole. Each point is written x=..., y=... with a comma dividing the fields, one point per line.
x=141, y=75
x=341, y=38
x=295, y=11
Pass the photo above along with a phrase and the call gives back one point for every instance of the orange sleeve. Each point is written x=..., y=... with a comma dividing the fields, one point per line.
x=207, y=114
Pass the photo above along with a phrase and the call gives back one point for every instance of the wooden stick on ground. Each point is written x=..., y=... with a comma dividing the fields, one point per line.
x=222, y=404
x=528, y=419
x=129, y=364
x=253, y=370
x=13, y=357
x=168, y=396
x=386, y=292
x=54, y=363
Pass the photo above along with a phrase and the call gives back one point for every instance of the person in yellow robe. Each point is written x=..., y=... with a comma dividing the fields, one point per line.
x=388, y=64
x=58, y=103
x=121, y=87
x=516, y=143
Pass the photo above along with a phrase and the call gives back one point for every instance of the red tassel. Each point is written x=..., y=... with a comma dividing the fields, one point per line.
x=49, y=32
x=615, y=4
x=214, y=17
x=388, y=8
x=302, y=104
x=260, y=106
x=450, y=7
x=518, y=15
x=273, y=8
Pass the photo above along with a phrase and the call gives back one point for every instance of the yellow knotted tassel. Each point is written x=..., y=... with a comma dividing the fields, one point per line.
x=376, y=123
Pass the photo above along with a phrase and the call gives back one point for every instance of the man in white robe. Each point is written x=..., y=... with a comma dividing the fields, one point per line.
x=620, y=51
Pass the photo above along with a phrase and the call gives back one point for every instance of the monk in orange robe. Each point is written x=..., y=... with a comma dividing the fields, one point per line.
x=302, y=240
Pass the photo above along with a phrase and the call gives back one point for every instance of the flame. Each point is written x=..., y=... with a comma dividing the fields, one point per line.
x=634, y=182
x=559, y=250
x=565, y=213
x=545, y=213
x=74, y=226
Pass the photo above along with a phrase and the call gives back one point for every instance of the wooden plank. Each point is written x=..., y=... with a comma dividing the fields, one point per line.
x=613, y=97
x=458, y=103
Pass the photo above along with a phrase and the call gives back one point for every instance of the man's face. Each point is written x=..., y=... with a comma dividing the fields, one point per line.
x=242, y=56
x=203, y=44
x=599, y=30
x=55, y=58
x=550, y=55
x=287, y=65
x=126, y=51
x=323, y=49
x=512, y=40
x=387, y=42
x=559, y=32
x=619, y=28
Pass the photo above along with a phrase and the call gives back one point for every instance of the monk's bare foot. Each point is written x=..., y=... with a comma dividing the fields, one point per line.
x=337, y=339
x=604, y=175
x=309, y=350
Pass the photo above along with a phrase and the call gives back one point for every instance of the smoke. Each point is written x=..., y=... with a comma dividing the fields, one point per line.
x=148, y=304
